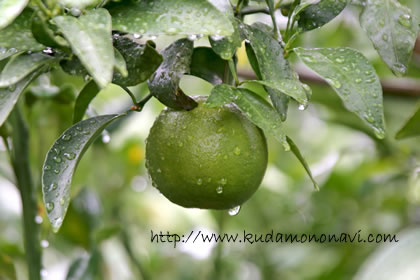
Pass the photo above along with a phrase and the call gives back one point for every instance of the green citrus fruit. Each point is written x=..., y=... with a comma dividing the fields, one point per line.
x=212, y=158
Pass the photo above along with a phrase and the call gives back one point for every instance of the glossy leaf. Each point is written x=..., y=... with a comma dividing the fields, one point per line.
x=253, y=106
x=20, y=66
x=18, y=34
x=79, y=4
x=160, y=17
x=319, y=14
x=142, y=60
x=9, y=10
x=61, y=163
x=207, y=65
x=86, y=95
x=273, y=67
x=412, y=126
x=9, y=96
x=295, y=150
x=164, y=83
x=353, y=78
x=120, y=65
x=5, y=53
x=43, y=33
x=90, y=39
x=392, y=30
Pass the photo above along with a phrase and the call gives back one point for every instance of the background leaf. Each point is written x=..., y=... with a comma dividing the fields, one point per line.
x=411, y=128
x=253, y=106
x=9, y=10
x=392, y=30
x=159, y=17
x=5, y=53
x=164, y=83
x=9, y=96
x=319, y=14
x=206, y=64
x=353, y=78
x=20, y=66
x=18, y=34
x=120, y=65
x=90, y=39
x=87, y=267
x=61, y=162
x=142, y=60
x=86, y=95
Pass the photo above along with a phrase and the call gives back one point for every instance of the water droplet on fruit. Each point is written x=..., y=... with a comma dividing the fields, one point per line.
x=234, y=211
x=199, y=181
x=219, y=190
x=302, y=107
x=223, y=181
x=237, y=151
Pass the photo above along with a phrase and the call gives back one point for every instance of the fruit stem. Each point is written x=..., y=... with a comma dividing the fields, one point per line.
x=130, y=93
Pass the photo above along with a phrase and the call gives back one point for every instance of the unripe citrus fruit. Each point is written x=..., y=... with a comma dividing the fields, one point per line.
x=212, y=158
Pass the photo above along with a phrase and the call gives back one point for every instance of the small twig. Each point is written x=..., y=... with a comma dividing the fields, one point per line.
x=254, y=10
x=277, y=34
x=232, y=68
x=130, y=93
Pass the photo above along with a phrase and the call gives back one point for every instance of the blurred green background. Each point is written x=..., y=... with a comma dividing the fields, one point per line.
x=366, y=185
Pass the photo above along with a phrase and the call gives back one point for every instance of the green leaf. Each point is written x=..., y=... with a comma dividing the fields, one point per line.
x=160, y=17
x=61, y=163
x=43, y=33
x=20, y=66
x=392, y=30
x=9, y=10
x=411, y=128
x=142, y=61
x=86, y=95
x=120, y=65
x=164, y=83
x=295, y=150
x=5, y=53
x=319, y=14
x=86, y=267
x=79, y=4
x=273, y=68
x=9, y=96
x=253, y=106
x=90, y=39
x=106, y=233
x=18, y=34
x=7, y=268
x=353, y=78
x=207, y=65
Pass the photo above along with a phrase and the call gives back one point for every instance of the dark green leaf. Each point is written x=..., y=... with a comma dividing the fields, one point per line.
x=83, y=100
x=120, y=65
x=295, y=150
x=9, y=96
x=253, y=106
x=317, y=15
x=9, y=10
x=20, y=66
x=164, y=83
x=353, y=78
x=18, y=34
x=412, y=126
x=42, y=32
x=7, y=268
x=73, y=66
x=392, y=30
x=267, y=53
x=207, y=65
x=86, y=267
x=142, y=61
x=5, y=53
x=61, y=162
x=159, y=17
x=90, y=39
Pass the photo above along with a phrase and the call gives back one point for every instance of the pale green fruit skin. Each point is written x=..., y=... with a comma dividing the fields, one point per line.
x=190, y=154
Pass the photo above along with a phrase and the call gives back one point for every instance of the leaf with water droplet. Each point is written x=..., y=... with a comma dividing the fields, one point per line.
x=164, y=84
x=86, y=95
x=18, y=34
x=5, y=53
x=391, y=20
x=358, y=97
x=142, y=60
x=227, y=46
x=295, y=150
x=258, y=110
x=90, y=39
x=234, y=211
x=319, y=14
x=206, y=64
x=9, y=96
x=160, y=17
x=411, y=127
x=21, y=65
x=266, y=56
x=65, y=168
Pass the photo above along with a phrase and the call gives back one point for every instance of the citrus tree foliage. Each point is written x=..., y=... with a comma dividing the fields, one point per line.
x=112, y=42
